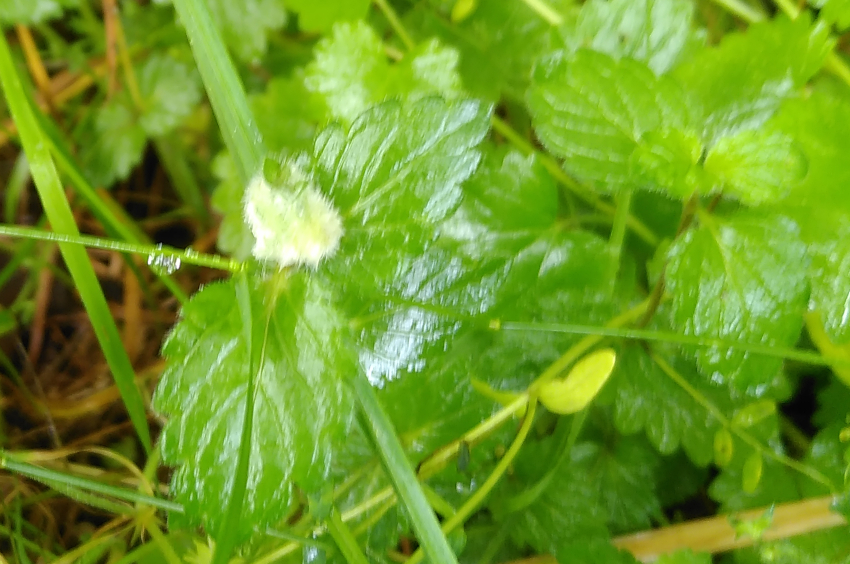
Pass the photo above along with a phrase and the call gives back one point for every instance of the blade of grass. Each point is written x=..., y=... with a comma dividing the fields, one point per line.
x=223, y=87
x=182, y=255
x=48, y=477
x=345, y=540
x=59, y=214
x=428, y=533
x=172, y=155
x=114, y=219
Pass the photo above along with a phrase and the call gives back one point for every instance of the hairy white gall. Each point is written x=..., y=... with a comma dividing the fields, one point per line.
x=292, y=222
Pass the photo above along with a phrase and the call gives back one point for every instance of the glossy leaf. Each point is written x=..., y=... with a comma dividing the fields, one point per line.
x=302, y=406
x=592, y=111
x=668, y=161
x=743, y=279
x=756, y=167
x=736, y=92
x=351, y=71
x=819, y=204
x=393, y=176
x=655, y=32
x=498, y=43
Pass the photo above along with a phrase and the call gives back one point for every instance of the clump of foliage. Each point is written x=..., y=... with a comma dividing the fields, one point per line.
x=503, y=278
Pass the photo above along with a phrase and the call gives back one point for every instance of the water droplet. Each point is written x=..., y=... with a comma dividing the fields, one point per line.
x=163, y=265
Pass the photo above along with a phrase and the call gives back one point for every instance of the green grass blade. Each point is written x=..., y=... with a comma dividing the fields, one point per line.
x=431, y=539
x=59, y=214
x=345, y=540
x=172, y=155
x=50, y=477
x=223, y=87
x=116, y=222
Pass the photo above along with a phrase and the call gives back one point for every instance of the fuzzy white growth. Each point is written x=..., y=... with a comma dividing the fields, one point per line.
x=293, y=223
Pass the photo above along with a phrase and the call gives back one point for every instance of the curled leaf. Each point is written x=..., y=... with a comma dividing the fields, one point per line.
x=581, y=385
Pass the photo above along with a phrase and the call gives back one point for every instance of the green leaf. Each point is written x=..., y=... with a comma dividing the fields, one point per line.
x=28, y=12
x=304, y=364
x=509, y=202
x=776, y=482
x=741, y=278
x=498, y=43
x=820, y=205
x=320, y=16
x=756, y=167
x=741, y=92
x=669, y=162
x=115, y=144
x=288, y=114
x=655, y=32
x=246, y=26
x=835, y=12
x=351, y=71
x=170, y=91
x=393, y=176
x=234, y=236
x=592, y=111
x=647, y=399
x=560, y=514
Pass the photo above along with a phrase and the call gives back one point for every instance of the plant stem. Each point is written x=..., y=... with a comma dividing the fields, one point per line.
x=545, y=11
x=184, y=255
x=477, y=498
x=550, y=164
x=618, y=229
x=345, y=540
x=58, y=211
x=808, y=357
x=9, y=462
x=803, y=469
x=424, y=522
x=225, y=90
x=395, y=23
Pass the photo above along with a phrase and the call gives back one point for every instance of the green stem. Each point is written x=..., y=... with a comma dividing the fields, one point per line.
x=225, y=90
x=618, y=229
x=808, y=357
x=395, y=23
x=545, y=11
x=401, y=474
x=183, y=255
x=680, y=380
x=44, y=475
x=58, y=211
x=477, y=498
x=741, y=9
x=345, y=540
x=551, y=165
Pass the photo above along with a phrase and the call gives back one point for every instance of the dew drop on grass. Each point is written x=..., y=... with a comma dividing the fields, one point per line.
x=162, y=264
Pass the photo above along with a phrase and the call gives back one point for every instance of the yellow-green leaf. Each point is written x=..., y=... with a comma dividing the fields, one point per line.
x=581, y=384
